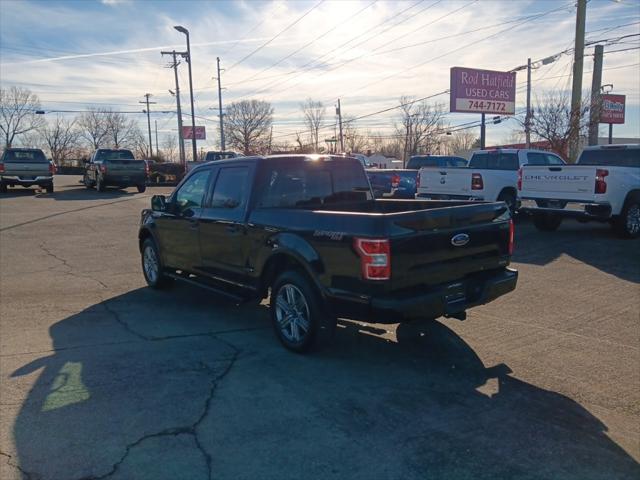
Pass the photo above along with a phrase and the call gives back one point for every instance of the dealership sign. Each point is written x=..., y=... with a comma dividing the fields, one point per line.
x=200, y=133
x=482, y=91
x=612, y=108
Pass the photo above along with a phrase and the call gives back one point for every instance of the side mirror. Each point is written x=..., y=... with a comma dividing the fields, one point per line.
x=158, y=203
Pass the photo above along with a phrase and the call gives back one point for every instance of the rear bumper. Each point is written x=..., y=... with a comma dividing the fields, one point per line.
x=443, y=300
x=567, y=208
x=27, y=182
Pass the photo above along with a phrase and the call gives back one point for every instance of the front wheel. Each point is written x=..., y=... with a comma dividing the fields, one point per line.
x=627, y=224
x=3, y=187
x=141, y=188
x=152, y=266
x=99, y=184
x=87, y=182
x=297, y=317
x=547, y=222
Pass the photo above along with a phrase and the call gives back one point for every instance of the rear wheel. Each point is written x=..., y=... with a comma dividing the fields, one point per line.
x=627, y=224
x=510, y=199
x=297, y=317
x=87, y=182
x=99, y=184
x=546, y=222
x=152, y=266
x=3, y=187
x=49, y=188
x=141, y=188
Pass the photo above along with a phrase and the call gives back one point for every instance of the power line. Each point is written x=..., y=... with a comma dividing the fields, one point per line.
x=276, y=36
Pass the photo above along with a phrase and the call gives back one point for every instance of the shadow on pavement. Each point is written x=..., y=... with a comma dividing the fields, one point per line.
x=82, y=193
x=593, y=243
x=139, y=387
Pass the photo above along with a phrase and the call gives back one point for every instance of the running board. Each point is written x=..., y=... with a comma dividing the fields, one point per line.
x=191, y=281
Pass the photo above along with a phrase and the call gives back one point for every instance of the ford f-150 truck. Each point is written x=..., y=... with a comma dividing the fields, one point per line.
x=492, y=175
x=307, y=231
x=115, y=167
x=603, y=186
x=25, y=167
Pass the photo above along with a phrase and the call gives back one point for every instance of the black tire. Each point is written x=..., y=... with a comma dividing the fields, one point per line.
x=510, y=199
x=159, y=280
x=99, y=184
x=49, y=188
x=3, y=187
x=320, y=325
x=87, y=182
x=141, y=188
x=626, y=224
x=547, y=222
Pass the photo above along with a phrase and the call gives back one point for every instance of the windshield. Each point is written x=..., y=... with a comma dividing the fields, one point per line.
x=24, y=156
x=114, y=155
x=290, y=183
x=619, y=157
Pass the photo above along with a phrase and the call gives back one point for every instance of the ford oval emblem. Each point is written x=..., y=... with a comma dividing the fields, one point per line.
x=460, y=240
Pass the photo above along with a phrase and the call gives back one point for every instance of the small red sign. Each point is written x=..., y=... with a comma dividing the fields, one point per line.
x=200, y=133
x=612, y=108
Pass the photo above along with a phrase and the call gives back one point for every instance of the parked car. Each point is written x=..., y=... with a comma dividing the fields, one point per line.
x=603, y=186
x=167, y=173
x=492, y=175
x=109, y=167
x=308, y=232
x=26, y=167
x=401, y=183
x=212, y=157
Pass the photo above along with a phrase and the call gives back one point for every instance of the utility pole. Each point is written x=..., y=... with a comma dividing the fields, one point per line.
x=482, y=133
x=596, y=81
x=270, y=138
x=220, y=107
x=157, y=149
x=576, y=91
x=146, y=96
x=527, y=120
x=187, y=56
x=340, y=123
x=174, y=54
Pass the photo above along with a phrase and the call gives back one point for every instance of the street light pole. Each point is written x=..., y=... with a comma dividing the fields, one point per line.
x=193, y=113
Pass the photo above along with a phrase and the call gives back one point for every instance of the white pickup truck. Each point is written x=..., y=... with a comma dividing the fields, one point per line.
x=492, y=175
x=604, y=185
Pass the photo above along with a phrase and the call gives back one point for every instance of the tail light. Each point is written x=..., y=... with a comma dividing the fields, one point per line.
x=476, y=181
x=1, y=167
x=601, y=184
x=375, y=258
x=512, y=234
x=395, y=181
x=103, y=169
x=52, y=169
x=146, y=168
x=520, y=179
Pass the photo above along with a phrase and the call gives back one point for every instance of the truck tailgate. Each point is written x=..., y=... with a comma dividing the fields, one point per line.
x=436, y=246
x=443, y=181
x=125, y=167
x=27, y=170
x=567, y=182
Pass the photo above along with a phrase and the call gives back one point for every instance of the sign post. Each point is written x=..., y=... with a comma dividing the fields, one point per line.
x=612, y=111
x=482, y=91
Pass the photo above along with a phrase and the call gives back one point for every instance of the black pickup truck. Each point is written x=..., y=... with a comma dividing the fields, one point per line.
x=307, y=231
x=109, y=167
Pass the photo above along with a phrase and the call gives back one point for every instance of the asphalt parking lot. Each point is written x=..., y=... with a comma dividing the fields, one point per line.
x=102, y=377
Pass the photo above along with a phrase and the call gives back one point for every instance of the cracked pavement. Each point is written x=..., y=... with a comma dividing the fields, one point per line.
x=101, y=377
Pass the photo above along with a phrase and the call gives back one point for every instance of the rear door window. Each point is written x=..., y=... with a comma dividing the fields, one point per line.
x=231, y=189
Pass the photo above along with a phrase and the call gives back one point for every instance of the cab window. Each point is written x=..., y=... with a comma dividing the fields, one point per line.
x=230, y=191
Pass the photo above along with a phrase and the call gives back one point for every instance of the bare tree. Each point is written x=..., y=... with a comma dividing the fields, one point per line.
x=169, y=148
x=137, y=141
x=61, y=137
x=421, y=124
x=94, y=127
x=313, y=116
x=354, y=140
x=552, y=121
x=248, y=125
x=121, y=132
x=461, y=141
x=18, y=115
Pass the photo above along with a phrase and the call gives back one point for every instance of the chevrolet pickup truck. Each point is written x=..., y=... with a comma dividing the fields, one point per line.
x=25, y=167
x=307, y=231
x=492, y=175
x=604, y=186
x=110, y=167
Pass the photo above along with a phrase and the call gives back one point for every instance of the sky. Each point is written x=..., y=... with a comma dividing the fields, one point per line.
x=85, y=54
